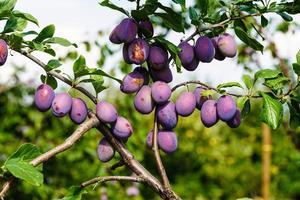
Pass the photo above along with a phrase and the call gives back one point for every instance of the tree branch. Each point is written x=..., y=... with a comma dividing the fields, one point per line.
x=159, y=164
x=117, y=165
x=102, y=179
x=68, y=143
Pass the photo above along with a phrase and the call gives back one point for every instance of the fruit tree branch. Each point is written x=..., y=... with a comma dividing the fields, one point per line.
x=102, y=179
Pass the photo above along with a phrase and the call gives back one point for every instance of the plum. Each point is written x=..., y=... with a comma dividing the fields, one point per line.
x=106, y=112
x=105, y=151
x=132, y=82
x=193, y=65
x=149, y=139
x=164, y=75
x=138, y=51
x=208, y=114
x=199, y=98
x=204, y=49
x=3, y=52
x=124, y=32
x=143, y=102
x=122, y=128
x=144, y=72
x=227, y=45
x=167, y=141
x=146, y=28
x=158, y=57
x=186, y=55
x=218, y=53
x=185, y=104
x=226, y=108
x=167, y=116
x=61, y=104
x=161, y=92
x=236, y=120
x=125, y=54
x=43, y=97
x=78, y=111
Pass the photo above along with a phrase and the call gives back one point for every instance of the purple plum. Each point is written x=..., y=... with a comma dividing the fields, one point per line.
x=227, y=45
x=167, y=116
x=208, y=114
x=193, y=65
x=185, y=104
x=138, y=51
x=105, y=151
x=204, y=49
x=3, y=52
x=124, y=32
x=161, y=92
x=158, y=57
x=79, y=111
x=61, y=104
x=122, y=128
x=143, y=102
x=164, y=75
x=132, y=82
x=125, y=54
x=199, y=98
x=218, y=54
x=186, y=55
x=43, y=97
x=149, y=139
x=106, y=112
x=144, y=72
x=167, y=141
x=226, y=108
x=146, y=28
x=236, y=120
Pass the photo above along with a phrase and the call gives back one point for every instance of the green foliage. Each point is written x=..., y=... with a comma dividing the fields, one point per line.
x=272, y=111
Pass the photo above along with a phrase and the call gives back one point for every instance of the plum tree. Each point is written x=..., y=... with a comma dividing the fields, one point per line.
x=158, y=57
x=167, y=116
x=143, y=102
x=209, y=116
x=125, y=32
x=62, y=104
x=43, y=97
x=106, y=112
x=167, y=141
x=105, y=151
x=138, y=51
x=122, y=128
x=161, y=92
x=204, y=49
x=226, y=108
x=3, y=52
x=185, y=104
x=78, y=111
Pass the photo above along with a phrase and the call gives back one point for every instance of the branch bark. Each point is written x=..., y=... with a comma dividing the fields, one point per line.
x=102, y=179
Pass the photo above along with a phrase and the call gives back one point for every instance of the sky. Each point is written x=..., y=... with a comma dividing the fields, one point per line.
x=79, y=20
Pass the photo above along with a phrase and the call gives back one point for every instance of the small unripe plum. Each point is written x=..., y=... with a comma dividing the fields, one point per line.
x=167, y=116
x=125, y=54
x=218, y=53
x=146, y=28
x=78, y=111
x=149, y=139
x=227, y=45
x=43, y=97
x=167, y=141
x=164, y=75
x=226, y=108
x=62, y=104
x=158, y=57
x=199, y=98
x=144, y=72
x=124, y=32
x=236, y=120
x=132, y=82
x=193, y=65
x=3, y=52
x=185, y=104
x=204, y=49
x=138, y=51
x=143, y=102
x=122, y=128
x=106, y=112
x=186, y=55
x=105, y=151
x=161, y=92
x=209, y=115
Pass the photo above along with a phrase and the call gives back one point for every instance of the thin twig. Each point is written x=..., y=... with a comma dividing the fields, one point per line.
x=68, y=143
x=159, y=164
x=117, y=165
x=102, y=179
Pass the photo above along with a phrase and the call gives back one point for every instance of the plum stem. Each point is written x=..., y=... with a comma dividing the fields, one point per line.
x=158, y=161
x=102, y=179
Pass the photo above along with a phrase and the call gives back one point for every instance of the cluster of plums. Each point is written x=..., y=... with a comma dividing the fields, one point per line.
x=3, y=52
x=63, y=104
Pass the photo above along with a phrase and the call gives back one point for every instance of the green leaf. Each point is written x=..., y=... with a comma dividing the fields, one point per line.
x=74, y=193
x=45, y=33
x=14, y=24
x=7, y=5
x=148, y=8
x=264, y=21
x=298, y=57
x=108, y=4
x=247, y=39
x=79, y=65
x=272, y=111
x=61, y=41
x=206, y=93
x=248, y=81
x=229, y=84
x=276, y=83
x=285, y=16
x=97, y=83
x=26, y=16
x=267, y=73
x=52, y=64
x=203, y=6
x=172, y=22
x=195, y=18
x=294, y=113
x=25, y=152
x=50, y=80
x=181, y=3
x=296, y=68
